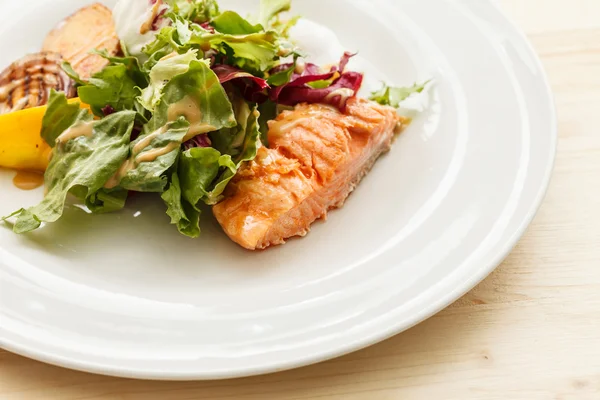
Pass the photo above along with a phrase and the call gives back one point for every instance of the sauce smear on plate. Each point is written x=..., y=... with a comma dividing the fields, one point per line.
x=28, y=180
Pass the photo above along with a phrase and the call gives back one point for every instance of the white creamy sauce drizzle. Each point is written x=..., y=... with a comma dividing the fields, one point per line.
x=81, y=129
x=189, y=109
x=344, y=93
x=279, y=128
x=138, y=156
x=294, y=120
x=151, y=155
x=147, y=141
x=114, y=181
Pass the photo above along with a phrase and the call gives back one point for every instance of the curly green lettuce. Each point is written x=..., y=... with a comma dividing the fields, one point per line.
x=240, y=43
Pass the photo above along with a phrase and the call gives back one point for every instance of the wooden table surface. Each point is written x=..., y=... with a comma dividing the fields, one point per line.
x=531, y=331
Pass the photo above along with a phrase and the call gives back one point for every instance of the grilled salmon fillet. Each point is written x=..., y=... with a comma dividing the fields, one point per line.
x=317, y=157
x=74, y=38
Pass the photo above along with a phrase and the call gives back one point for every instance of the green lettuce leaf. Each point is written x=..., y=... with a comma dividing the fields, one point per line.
x=283, y=77
x=198, y=83
x=149, y=176
x=268, y=112
x=134, y=70
x=232, y=23
x=59, y=116
x=201, y=84
x=206, y=172
x=270, y=9
x=162, y=46
x=68, y=68
x=184, y=34
x=107, y=200
x=198, y=171
x=117, y=85
x=113, y=87
x=172, y=39
x=323, y=83
x=251, y=142
x=165, y=70
x=81, y=166
x=255, y=52
x=183, y=215
x=241, y=141
x=284, y=27
x=393, y=96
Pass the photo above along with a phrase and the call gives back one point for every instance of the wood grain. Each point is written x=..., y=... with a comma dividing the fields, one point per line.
x=531, y=331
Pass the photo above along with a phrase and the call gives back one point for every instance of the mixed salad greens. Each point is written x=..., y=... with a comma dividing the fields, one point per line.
x=178, y=113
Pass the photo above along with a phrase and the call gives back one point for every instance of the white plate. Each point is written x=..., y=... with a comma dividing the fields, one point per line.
x=125, y=295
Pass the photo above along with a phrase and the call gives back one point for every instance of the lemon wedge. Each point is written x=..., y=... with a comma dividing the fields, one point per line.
x=21, y=146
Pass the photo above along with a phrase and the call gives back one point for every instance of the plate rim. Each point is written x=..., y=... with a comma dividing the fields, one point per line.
x=442, y=301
